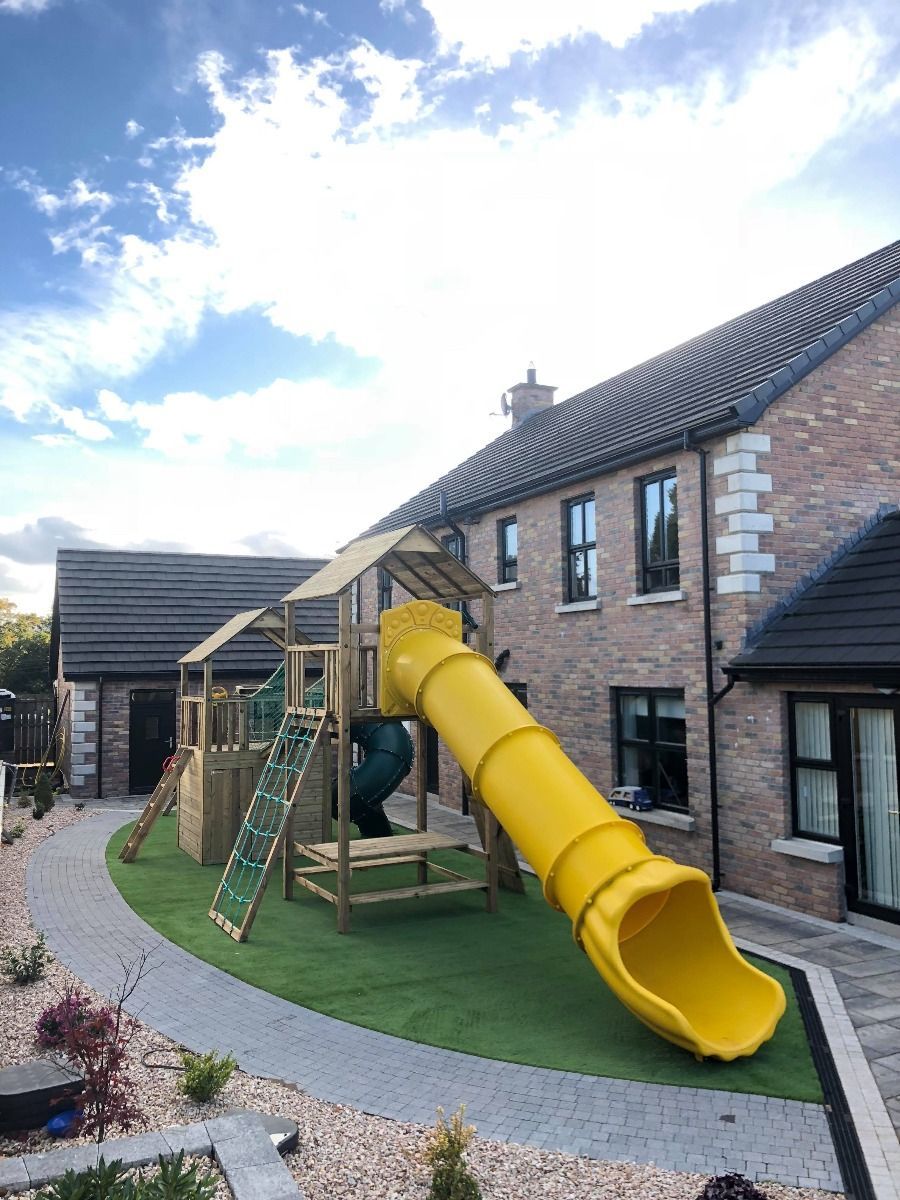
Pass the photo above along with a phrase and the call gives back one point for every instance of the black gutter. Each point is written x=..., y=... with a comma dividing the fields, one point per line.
x=100, y=738
x=711, y=699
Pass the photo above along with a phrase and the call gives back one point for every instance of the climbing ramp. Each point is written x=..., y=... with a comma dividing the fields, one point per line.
x=261, y=836
x=160, y=802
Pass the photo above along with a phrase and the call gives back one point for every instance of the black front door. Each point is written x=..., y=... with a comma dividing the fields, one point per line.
x=151, y=737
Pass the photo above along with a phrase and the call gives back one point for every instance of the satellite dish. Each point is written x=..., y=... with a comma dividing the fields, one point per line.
x=505, y=406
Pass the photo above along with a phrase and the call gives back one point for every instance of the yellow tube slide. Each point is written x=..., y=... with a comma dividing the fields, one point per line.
x=651, y=928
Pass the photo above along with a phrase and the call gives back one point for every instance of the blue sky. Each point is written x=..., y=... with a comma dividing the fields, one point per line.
x=267, y=266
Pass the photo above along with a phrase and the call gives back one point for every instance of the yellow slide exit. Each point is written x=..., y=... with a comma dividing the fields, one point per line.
x=651, y=928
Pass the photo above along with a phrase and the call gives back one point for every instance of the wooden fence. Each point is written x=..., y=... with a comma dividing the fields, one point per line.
x=33, y=722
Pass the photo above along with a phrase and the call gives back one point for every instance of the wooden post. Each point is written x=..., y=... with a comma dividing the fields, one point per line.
x=344, y=763
x=289, y=635
x=422, y=791
x=287, y=889
x=492, y=865
x=206, y=743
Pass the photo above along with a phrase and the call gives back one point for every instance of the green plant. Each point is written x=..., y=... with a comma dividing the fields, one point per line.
x=446, y=1155
x=23, y=801
x=25, y=964
x=731, y=1187
x=17, y=830
x=43, y=792
x=176, y=1182
x=106, y=1181
x=205, y=1075
x=37, y=812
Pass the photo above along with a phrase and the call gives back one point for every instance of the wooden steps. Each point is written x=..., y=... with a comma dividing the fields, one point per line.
x=162, y=799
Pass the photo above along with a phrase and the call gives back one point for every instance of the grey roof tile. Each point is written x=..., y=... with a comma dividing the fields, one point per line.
x=136, y=613
x=844, y=618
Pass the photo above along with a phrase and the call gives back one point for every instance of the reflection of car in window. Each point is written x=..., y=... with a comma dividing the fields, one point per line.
x=638, y=799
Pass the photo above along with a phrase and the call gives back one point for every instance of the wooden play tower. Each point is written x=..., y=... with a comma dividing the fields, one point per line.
x=315, y=738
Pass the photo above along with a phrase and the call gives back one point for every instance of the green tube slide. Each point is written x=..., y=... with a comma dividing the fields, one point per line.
x=387, y=758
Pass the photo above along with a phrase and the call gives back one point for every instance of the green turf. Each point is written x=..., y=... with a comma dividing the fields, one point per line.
x=441, y=970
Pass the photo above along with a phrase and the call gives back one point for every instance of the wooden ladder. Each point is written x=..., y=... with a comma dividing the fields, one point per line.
x=162, y=799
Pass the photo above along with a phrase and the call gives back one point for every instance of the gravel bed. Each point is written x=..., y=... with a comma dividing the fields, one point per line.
x=343, y=1154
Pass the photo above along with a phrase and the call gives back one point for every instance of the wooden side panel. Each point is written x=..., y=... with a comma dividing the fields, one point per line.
x=308, y=812
x=190, y=808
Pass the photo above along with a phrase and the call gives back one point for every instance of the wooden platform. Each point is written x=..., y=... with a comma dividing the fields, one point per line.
x=366, y=853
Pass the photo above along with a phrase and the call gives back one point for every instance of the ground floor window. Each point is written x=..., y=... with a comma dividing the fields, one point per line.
x=652, y=748
x=814, y=770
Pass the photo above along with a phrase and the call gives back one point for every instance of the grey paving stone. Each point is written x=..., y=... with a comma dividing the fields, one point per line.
x=13, y=1175
x=220, y=1129
x=270, y=1182
x=42, y=1168
x=135, y=1151
x=192, y=1139
x=252, y=1148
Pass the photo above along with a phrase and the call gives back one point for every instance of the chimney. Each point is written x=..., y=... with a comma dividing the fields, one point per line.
x=525, y=400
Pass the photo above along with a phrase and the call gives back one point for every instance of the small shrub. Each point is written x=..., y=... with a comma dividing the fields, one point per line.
x=205, y=1075
x=38, y=813
x=111, y=1182
x=176, y=1182
x=17, y=830
x=26, y=964
x=446, y=1155
x=74, y=1010
x=43, y=793
x=103, y=1182
x=24, y=801
x=731, y=1187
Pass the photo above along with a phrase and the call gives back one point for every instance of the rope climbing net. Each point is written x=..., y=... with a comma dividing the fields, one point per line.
x=261, y=832
x=265, y=708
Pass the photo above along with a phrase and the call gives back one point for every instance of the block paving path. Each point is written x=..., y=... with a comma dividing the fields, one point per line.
x=91, y=930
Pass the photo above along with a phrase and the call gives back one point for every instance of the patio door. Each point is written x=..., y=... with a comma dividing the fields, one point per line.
x=870, y=808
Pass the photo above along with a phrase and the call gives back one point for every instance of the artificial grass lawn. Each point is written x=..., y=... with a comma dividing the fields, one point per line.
x=441, y=970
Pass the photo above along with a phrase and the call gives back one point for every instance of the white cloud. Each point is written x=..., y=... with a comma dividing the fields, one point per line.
x=77, y=422
x=133, y=129
x=137, y=298
x=76, y=196
x=491, y=33
x=24, y=7
x=316, y=15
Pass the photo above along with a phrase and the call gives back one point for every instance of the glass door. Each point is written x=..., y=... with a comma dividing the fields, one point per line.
x=873, y=875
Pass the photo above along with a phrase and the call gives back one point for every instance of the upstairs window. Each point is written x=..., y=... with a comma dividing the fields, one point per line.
x=507, y=550
x=455, y=544
x=659, y=521
x=581, y=549
x=385, y=590
x=653, y=744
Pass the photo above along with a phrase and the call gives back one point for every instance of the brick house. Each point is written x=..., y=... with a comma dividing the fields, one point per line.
x=643, y=536
x=121, y=621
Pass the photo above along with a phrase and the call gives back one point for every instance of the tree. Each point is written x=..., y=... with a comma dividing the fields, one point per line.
x=24, y=650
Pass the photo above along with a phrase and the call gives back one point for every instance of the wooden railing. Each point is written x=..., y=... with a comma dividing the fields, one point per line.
x=302, y=659
x=214, y=725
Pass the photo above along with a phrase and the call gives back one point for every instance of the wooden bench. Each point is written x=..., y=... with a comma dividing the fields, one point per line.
x=390, y=852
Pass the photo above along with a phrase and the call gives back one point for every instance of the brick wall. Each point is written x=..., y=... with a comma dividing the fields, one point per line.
x=832, y=449
x=116, y=704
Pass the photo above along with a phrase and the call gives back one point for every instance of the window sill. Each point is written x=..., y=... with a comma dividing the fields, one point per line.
x=505, y=587
x=660, y=816
x=577, y=606
x=820, y=852
x=657, y=597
